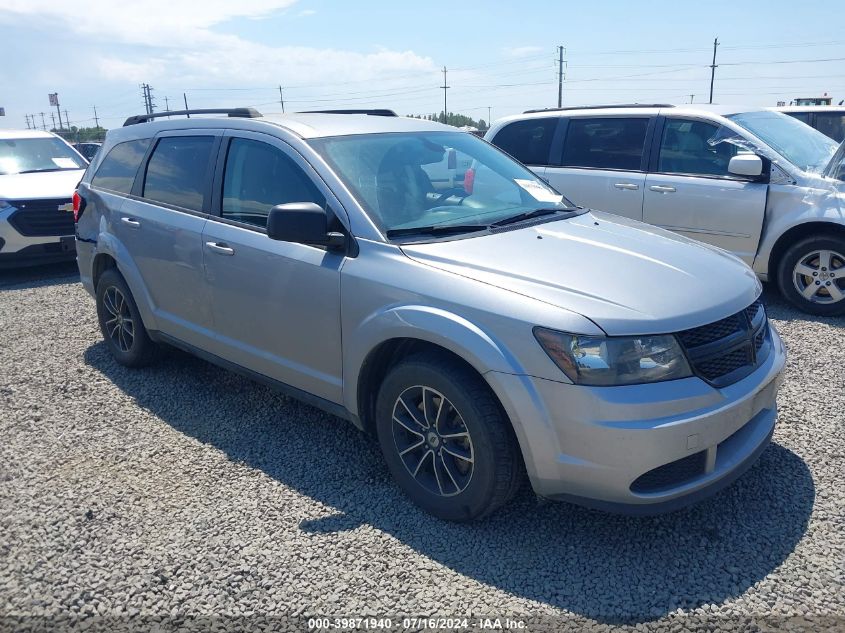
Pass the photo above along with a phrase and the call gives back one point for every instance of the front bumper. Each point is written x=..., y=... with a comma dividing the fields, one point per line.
x=641, y=448
x=25, y=250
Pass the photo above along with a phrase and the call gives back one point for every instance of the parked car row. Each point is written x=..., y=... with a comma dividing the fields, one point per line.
x=829, y=120
x=756, y=183
x=480, y=326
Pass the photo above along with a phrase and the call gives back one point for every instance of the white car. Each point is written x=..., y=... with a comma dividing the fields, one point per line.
x=753, y=182
x=38, y=174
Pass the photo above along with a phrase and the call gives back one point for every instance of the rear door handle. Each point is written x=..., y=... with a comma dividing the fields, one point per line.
x=626, y=185
x=131, y=222
x=221, y=249
x=662, y=188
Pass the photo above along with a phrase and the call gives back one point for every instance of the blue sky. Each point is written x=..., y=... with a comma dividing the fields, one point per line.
x=328, y=53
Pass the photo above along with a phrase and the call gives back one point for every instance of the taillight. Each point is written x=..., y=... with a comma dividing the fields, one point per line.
x=469, y=180
x=78, y=206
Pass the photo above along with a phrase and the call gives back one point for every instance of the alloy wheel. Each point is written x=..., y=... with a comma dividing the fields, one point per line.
x=433, y=441
x=819, y=276
x=119, y=323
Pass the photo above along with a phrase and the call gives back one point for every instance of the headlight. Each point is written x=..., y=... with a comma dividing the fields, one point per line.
x=614, y=360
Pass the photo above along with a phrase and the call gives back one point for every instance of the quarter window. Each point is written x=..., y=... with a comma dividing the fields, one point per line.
x=118, y=169
x=259, y=176
x=528, y=141
x=605, y=143
x=177, y=170
x=686, y=148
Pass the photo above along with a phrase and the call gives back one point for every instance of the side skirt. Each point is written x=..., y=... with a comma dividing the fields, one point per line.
x=303, y=396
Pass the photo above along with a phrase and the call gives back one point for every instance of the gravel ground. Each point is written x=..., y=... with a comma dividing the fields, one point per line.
x=183, y=496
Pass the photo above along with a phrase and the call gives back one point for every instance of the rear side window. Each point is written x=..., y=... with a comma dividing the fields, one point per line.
x=831, y=124
x=177, y=170
x=605, y=143
x=527, y=141
x=259, y=176
x=804, y=117
x=118, y=169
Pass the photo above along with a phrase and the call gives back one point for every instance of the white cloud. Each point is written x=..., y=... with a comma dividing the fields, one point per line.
x=182, y=49
x=521, y=51
x=306, y=12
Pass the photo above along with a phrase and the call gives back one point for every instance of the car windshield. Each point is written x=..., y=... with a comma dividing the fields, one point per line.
x=797, y=142
x=27, y=155
x=436, y=182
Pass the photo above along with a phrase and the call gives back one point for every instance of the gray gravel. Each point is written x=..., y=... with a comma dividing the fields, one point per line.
x=186, y=494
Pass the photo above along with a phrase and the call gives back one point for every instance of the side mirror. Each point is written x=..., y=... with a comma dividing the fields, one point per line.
x=749, y=165
x=302, y=223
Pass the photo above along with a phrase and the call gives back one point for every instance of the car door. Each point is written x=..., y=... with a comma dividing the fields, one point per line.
x=601, y=163
x=276, y=304
x=161, y=224
x=690, y=191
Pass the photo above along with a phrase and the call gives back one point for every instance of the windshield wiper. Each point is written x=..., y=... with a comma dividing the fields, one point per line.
x=437, y=229
x=527, y=215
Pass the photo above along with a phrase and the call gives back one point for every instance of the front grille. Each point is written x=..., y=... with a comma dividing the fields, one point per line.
x=728, y=350
x=42, y=217
x=672, y=474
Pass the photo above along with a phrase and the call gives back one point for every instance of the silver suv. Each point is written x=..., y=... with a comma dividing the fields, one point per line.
x=756, y=183
x=478, y=329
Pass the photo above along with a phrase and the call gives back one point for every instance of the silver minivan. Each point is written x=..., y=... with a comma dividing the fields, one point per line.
x=479, y=330
x=756, y=183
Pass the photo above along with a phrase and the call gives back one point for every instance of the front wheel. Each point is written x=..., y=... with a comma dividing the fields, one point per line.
x=446, y=440
x=812, y=275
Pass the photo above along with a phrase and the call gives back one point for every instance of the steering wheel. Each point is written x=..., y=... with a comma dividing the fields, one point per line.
x=459, y=192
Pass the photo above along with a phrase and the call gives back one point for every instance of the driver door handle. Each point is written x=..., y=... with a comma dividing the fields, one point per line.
x=132, y=222
x=662, y=188
x=626, y=185
x=221, y=249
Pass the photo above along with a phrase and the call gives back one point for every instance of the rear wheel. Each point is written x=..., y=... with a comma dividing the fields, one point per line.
x=812, y=275
x=446, y=440
x=120, y=322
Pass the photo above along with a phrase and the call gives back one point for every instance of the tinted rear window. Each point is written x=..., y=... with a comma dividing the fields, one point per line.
x=605, y=143
x=527, y=141
x=176, y=171
x=118, y=169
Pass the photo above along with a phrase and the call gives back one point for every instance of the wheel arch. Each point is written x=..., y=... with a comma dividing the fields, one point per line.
x=795, y=234
x=112, y=253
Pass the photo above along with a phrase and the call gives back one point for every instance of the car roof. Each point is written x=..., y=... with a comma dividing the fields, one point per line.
x=813, y=108
x=13, y=134
x=633, y=109
x=303, y=124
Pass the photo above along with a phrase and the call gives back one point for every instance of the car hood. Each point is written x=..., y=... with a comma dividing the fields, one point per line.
x=48, y=184
x=626, y=276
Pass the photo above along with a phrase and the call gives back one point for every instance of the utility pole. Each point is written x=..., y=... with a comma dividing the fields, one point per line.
x=560, y=77
x=489, y=116
x=67, y=121
x=691, y=98
x=282, y=99
x=185, y=97
x=445, y=88
x=96, y=120
x=43, y=124
x=53, y=116
x=713, y=68
x=28, y=127
x=167, y=105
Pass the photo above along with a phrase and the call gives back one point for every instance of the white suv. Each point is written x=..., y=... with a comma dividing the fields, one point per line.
x=38, y=173
x=754, y=182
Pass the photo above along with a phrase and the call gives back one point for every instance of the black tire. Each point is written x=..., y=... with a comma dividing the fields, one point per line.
x=120, y=322
x=465, y=403
x=822, y=302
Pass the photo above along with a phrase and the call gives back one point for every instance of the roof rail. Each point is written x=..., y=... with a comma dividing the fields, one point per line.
x=371, y=112
x=246, y=113
x=602, y=107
